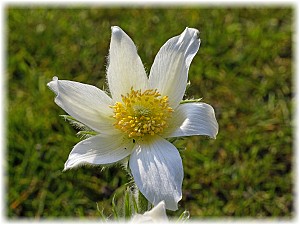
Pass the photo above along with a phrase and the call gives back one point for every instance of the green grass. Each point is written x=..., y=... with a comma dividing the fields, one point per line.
x=243, y=69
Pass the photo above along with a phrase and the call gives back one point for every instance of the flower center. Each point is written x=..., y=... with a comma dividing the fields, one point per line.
x=142, y=113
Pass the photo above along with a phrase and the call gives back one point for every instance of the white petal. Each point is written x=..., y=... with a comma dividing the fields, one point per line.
x=86, y=103
x=125, y=68
x=158, y=213
x=169, y=71
x=155, y=215
x=157, y=170
x=193, y=119
x=99, y=150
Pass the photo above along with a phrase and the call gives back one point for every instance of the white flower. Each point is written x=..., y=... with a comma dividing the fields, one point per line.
x=140, y=114
x=155, y=215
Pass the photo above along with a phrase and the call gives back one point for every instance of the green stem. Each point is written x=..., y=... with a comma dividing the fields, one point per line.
x=142, y=203
x=127, y=204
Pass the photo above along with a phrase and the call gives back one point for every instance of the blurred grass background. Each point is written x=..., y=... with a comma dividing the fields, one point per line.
x=243, y=69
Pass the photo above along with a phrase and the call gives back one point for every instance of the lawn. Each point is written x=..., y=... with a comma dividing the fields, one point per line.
x=243, y=69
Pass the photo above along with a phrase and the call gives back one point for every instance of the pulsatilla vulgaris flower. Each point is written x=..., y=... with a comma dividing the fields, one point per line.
x=140, y=114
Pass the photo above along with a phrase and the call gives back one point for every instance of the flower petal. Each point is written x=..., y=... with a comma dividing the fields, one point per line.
x=125, y=68
x=169, y=71
x=86, y=103
x=157, y=170
x=193, y=119
x=99, y=150
x=155, y=215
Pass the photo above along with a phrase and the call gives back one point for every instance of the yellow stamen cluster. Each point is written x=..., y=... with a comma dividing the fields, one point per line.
x=142, y=113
